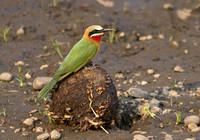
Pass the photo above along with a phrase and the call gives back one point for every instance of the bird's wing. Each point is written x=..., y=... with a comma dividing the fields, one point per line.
x=79, y=55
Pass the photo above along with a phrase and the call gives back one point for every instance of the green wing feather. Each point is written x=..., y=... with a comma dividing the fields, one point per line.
x=80, y=55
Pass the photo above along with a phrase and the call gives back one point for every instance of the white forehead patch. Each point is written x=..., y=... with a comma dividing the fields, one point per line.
x=97, y=27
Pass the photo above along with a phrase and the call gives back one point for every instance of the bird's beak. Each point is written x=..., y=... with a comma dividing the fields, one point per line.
x=107, y=30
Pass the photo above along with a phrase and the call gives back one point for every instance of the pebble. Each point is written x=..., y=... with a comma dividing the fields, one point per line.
x=43, y=136
x=55, y=135
x=43, y=66
x=175, y=43
x=20, y=31
x=6, y=76
x=148, y=37
x=190, y=138
x=156, y=110
x=192, y=119
x=183, y=14
x=27, y=76
x=138, y=93
x=140, y=137
x=17, y=130
x=197, y=129
x=40, y=82
x=28, y=121
x=143, y=83
x=119, y=75
x=19, y=63
x=192, y=126
x=186, y=51
x=38, y=129
x=173, y=93
x=154, y=102
x=128, y=46
x=161, y=36
x=106, y=3
x=150, y=71
x=122, y=34
x=156, y=75
x=168, y=6
x=167, y=136
x=178, y=69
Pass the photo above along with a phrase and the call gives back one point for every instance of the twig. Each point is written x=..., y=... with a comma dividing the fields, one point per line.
x=104, y=129
x=96, y=115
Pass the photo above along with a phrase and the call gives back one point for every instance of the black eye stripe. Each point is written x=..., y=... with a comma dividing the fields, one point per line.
x=95, y=31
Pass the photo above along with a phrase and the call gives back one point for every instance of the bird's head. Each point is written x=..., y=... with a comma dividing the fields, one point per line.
x=95, y=32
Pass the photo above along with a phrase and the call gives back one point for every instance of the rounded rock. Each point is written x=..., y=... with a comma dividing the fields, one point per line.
x=190, y=138
x=197, y=129
x=150, y=71
x=140, y=137
x=55, y=135
x=27, y=76
x=20, y=31
x=38, y=129
x=192, y=126
x=6, y=76
x=19, y=63
x=191, y=119
x=43, y=136
x=28, y=121
x=138, y=93
x=40, y=82
x=178, y=69
x=155, y=103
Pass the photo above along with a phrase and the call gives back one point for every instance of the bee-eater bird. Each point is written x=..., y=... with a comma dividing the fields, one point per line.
x=80, y=54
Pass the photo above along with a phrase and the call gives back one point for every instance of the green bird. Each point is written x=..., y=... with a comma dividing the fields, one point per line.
x=80, y=54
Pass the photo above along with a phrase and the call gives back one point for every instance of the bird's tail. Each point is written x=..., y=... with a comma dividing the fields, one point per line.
x=46, y=89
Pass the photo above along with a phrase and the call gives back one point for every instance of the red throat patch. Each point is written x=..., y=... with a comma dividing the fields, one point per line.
x=96, y=38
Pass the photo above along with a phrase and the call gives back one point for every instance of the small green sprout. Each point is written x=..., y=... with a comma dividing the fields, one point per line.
x=19, y=69
x=5, y=33
x=112, y=36
x=149, y=112
x=51, y=120
x=178, y=117
x=173, y=86
x=45, y=113
x=20, y=79
x=56, y=46
x=171, y=38
x=54, y=3
x=3, y=112
x=171, y=101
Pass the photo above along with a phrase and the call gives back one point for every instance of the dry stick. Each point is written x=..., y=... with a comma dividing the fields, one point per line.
x=96, y=115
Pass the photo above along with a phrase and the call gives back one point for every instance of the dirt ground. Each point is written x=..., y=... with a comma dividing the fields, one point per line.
x=174, y=42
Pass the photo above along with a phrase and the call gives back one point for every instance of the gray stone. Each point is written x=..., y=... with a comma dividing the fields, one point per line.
x=6, y=76
x=165, y=91
x=55, y=135
x=43, y=136
x=137, y=93
x=40, y=82
x=155, y=103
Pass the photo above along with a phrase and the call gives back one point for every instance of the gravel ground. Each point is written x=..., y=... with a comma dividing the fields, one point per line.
x=154, y=56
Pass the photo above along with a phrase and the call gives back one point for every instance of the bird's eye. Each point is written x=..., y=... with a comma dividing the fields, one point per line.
x=95, y=31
